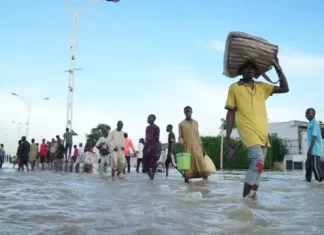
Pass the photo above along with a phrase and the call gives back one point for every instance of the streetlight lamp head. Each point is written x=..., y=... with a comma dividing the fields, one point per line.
x=46, y=98
x=14, y=94
x=115, y=1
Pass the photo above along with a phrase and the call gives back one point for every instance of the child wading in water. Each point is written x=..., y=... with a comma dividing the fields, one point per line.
x=152, y=136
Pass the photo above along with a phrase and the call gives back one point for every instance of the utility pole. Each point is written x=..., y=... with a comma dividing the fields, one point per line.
x=29, y=106
x=75, y=29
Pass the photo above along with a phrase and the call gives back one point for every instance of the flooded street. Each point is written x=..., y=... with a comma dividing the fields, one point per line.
x=66, y=203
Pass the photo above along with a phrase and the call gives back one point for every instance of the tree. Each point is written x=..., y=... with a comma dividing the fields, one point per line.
x=97, y=132
x=224, y=124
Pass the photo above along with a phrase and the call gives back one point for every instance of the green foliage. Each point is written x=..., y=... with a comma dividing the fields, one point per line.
x=239, y=160
x=96, y=133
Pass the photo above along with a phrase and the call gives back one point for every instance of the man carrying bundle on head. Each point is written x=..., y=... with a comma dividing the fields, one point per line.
x=246, y=104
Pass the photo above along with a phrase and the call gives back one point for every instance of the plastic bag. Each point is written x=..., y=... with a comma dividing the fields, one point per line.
x=209, y=165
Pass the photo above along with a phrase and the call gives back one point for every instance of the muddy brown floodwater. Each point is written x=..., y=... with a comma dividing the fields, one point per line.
x=70, y=203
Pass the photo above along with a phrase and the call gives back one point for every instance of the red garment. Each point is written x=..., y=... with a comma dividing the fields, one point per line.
x=91, y=150
x=75, y=154
x=43, y=150
x=152, y=136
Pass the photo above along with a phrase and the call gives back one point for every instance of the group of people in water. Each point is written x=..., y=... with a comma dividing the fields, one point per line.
x=115, y=149
x=245, y=104
x=117, y=146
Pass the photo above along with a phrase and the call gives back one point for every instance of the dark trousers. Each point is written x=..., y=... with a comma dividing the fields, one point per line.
x=139, y=161
x=314, y=165
x=128, y=163
x=1, y=161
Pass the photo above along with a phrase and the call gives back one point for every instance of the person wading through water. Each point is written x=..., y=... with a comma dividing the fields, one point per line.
x=171, y=149
x=33, y=153
x=102, y=146
x=59, y=156
x=128, y=146
x=246, y=104
x=139, y=154
x=52, y=150
x=152, y=136
x=315, y=148
x=23, y=153
x=17, y=157
x=2, y=154
x=116, y=146
x=190, y=141
x=43, y=153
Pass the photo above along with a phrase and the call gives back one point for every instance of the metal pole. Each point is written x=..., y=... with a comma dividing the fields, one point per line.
x=221, y=150
x=19, y=128
x=69, y=113
x=19, y=131
x=75, y=25
x=28, y=119
x=29, y=106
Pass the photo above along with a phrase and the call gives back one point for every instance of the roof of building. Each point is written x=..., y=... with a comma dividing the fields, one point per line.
x=296, y=122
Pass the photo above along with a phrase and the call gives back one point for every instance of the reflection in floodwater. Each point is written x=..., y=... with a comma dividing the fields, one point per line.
x=65, y=203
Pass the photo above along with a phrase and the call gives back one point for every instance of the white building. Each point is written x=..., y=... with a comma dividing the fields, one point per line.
x=295, y=135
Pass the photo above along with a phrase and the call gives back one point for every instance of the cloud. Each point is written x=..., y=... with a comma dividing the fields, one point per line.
x=218, y=45
x=300, y=64
x=294, y=62
x=206, y=99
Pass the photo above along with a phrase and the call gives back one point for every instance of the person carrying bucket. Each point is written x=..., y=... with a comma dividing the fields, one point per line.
x=191, y=143
x=246, y=104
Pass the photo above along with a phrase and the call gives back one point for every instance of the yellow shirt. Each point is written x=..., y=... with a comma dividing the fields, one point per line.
x=33, y=151
x=250, y=111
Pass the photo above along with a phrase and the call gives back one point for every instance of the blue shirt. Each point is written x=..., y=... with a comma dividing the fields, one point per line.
x=315, y=130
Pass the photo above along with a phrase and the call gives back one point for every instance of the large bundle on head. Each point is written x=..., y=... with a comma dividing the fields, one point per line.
x=242, y=48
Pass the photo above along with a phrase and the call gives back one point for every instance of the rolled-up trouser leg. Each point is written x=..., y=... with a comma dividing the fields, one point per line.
x=103, y=159
x=121, y=161
x=114, y=160
x=256, y=156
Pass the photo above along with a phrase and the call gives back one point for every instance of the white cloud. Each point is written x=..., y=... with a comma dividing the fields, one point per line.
x=303, y=65
x=218, y=45
x=295, y=63
x=207, y=101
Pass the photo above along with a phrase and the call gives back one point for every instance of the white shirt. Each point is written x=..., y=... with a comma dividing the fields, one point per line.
x=140, y=148
x=116, y=139
x=102, y=140
x=81, y=150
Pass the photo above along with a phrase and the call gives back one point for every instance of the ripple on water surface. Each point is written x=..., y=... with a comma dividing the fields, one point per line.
x=63, y=203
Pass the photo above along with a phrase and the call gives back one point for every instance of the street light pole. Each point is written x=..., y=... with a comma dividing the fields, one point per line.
x=75, y=24
x=19, y=128
x=29, y=106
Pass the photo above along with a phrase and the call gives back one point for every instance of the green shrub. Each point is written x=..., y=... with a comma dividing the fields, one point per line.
x=239, y=160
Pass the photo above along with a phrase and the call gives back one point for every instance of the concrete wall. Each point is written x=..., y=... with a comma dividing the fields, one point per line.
x=285, y=130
